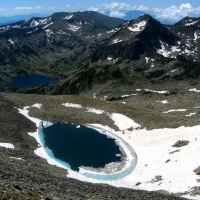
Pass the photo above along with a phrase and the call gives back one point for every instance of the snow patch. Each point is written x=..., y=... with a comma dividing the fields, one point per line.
x=175, y=110
x=163, y=102
x=43, y=21
x=138, y=27
x=196, y=35
x=34, y=23
x=152, y=65
x=147, y=59
x=37, y=105
x=32, y=31
x=128, y=95
x=117, y=41
x=17, y=26
x=113, y=30
x=159, y=92
x=104, y=98
x=197, y=107
x=73, y=27
x=7, y=145
x=171, y=53
x=194, y=90
x=96, y=111
x=72, y=105
x=11, y=41
x=191, y=114
x=173, y=70
x=191, y=23
x=123, y=122
x=17, y=158
x=46, y=124
x=49, y=32
x=190, y=52
x=47, y=25
x=68, y=17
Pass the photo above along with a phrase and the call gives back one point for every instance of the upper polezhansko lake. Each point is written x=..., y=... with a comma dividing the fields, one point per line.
x=31, y=80
x=80, y=146
x=91, y=152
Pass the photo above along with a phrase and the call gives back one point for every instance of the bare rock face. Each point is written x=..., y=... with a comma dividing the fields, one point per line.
x=181, y=143
x=197, y=171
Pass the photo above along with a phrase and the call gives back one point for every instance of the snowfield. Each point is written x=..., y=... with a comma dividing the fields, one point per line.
x=166, y=158
x=7, y=145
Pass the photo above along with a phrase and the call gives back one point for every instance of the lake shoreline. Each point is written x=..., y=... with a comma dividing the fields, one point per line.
x=47, y=154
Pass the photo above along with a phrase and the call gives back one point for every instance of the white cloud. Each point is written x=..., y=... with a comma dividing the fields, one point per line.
x=176, y=13
x=23, y=8
x=29, y=8
x=117, y=14
x=170, y=14
x=117, y=7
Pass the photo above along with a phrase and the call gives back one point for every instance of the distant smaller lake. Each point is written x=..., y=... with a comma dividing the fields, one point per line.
x=31, y=80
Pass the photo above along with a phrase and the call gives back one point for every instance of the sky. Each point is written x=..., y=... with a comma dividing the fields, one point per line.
x=171, y=10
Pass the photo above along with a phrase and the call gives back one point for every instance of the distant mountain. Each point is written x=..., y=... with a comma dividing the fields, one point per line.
x=51, y=45
x=87, y=48
x=139, y=47
x=11, y=19
x=187, y=21
x=136, y=37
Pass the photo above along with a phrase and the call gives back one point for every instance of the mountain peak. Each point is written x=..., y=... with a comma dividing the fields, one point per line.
x=187, y=21
x=146, y=17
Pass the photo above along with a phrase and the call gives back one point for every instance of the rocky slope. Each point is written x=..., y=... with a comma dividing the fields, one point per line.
x=142, y=47
x=152, y=49
x=51, y=45
x=27, y=176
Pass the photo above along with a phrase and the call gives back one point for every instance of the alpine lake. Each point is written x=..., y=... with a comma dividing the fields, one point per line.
x=86, y=150
x=29, y=81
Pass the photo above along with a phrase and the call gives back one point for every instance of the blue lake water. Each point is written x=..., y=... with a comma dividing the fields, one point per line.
x=75, y=146
x=31, y=80
x=80, y=146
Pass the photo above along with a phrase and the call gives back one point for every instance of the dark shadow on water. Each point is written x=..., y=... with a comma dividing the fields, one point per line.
x=80, y=146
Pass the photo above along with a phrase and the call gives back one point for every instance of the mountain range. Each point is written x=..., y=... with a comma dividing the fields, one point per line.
x=136, y=69
x=83, y=49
